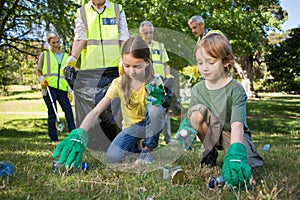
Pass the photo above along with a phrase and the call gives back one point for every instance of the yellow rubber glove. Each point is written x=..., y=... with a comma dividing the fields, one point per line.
x=70, y=94
x=44, y=83
x=70, y=62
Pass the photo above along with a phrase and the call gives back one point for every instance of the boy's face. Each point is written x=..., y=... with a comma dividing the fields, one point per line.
x=212, y=69
x=134, y=67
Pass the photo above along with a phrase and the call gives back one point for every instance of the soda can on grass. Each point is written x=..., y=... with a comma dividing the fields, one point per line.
x=215, y=183
x=60, y=168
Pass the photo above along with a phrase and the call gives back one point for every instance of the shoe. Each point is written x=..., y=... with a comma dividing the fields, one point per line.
x=210, y=158
x=145, y=157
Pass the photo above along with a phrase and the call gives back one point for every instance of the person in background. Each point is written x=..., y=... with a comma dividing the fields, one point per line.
x=217, y=113
x=49, y=69
x=196, y=24
x=160, y=65
x=100, y=30
x=141, y=118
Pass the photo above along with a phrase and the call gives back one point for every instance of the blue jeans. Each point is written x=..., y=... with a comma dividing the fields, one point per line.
x=62, y=98
x=126, y=141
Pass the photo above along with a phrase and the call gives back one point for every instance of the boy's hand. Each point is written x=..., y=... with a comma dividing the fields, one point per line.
x=236, y=170
x=185, y=135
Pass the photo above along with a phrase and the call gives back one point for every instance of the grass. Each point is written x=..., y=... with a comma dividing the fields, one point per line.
x=274, y=119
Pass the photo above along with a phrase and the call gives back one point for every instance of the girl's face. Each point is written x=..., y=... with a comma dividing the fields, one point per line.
x=212, y=69
x=134, y=67
x=54, y=43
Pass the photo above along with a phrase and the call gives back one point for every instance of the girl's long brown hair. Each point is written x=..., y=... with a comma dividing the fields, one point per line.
x=138, y=48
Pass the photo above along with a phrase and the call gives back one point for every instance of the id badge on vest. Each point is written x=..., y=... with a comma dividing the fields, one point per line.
x=109, y=21
x=156, y=51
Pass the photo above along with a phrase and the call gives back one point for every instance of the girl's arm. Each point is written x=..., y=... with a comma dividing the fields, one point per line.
x=237, y=132
x=91, y=118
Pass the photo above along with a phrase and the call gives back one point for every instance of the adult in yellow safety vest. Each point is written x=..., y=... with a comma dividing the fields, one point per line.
x=50, y=66
x=100, y=30
x=196, y=24
x=160, y=60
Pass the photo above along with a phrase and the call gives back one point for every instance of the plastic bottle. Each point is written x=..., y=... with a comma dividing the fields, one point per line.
x=265, y=147
x=5, y=169
x=156, y=82
x=216, y=182
x=187, y=138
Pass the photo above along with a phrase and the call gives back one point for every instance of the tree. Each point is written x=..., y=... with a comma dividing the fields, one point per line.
x=284, y=62
x=24, y=25
x=245, y=23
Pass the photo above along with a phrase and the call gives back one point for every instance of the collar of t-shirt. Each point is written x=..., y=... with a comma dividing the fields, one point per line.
x=106, y=4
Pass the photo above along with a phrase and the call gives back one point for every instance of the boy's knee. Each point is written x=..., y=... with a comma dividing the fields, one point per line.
x=196, y=117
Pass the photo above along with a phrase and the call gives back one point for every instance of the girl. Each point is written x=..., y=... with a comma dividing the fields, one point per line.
x=217, y=112
x=140, y=118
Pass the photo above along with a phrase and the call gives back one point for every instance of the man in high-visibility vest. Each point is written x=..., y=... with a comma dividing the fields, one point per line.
x=160, y=60
x=50, y=66
x=100, y=30
x=196, y=24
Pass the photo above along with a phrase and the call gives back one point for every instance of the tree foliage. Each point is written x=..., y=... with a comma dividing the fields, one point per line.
x=284, y=62
x=24, y=24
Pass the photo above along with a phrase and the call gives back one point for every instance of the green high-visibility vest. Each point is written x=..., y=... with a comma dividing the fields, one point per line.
x=52, y=70
x=209, y=31
x=158, y=57
x=102, y=49
x=214, y=31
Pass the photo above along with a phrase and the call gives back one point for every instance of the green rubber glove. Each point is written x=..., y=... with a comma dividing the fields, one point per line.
x=71, y=149
x=186, y=134
x=157, y=94
x=236, y=170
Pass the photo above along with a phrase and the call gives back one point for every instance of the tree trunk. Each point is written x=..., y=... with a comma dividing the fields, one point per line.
x=247, y=75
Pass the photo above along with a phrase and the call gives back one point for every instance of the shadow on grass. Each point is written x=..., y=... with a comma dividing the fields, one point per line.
x=13, y=133
x=275, y=125
x=274, y=107
x=276, y=140
x=22, y=98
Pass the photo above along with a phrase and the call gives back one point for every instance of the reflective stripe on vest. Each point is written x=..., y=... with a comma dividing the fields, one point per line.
x=52, y=71
x=158, y=58
x=102, y=30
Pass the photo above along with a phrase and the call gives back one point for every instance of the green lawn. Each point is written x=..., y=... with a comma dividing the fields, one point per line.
x=274, y=119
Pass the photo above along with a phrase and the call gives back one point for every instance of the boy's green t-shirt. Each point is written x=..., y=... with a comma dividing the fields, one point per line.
x=227, y=103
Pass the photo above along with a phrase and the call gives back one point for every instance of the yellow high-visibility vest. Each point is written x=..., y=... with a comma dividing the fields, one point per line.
x=158, y=57
x=52, y=70
x=102, y=49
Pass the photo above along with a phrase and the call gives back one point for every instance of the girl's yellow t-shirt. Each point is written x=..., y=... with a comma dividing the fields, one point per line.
x=137, y=107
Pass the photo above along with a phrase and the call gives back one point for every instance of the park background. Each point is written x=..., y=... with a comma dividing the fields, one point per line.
x=268, y=57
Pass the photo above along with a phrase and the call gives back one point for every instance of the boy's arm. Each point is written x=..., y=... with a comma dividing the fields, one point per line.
x=236, y=170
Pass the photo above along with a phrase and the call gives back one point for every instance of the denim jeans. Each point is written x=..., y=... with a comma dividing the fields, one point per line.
x=126, y=141
x=62, y=98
